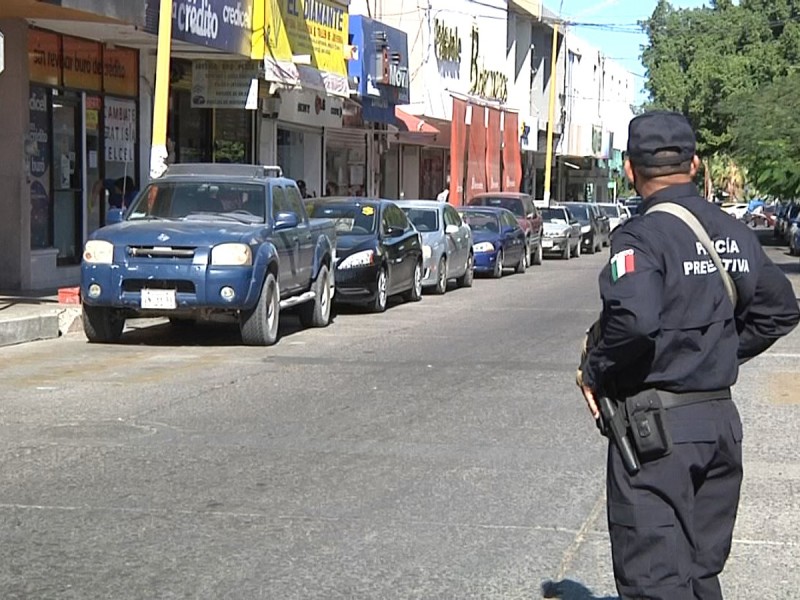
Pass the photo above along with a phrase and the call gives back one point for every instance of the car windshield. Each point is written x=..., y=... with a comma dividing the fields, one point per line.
x=481, y=221
x=610, y=210
x=192, y=200
x=581, y=212
x=554, y=215
x=424, y=219
x=349, y=219
x=512, y=204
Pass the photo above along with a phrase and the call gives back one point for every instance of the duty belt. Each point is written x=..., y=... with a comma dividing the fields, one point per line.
x=675, y=399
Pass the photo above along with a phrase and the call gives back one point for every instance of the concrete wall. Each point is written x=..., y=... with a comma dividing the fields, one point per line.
x=15, y=227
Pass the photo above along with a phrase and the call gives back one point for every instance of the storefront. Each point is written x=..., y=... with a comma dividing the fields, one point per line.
x=83, y=124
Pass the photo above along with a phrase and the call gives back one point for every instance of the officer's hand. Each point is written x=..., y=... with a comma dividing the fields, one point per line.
x=588, y=394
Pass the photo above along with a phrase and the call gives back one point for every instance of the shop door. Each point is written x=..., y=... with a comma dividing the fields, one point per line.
x=67, y=184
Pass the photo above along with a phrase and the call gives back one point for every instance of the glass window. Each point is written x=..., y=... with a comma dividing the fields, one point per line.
x=279, y=202
x=397, y=218
x=349, y=219
x=451, y=216
x=295, y=201
x=424, y=219
x=232, y=135
x=480, y=221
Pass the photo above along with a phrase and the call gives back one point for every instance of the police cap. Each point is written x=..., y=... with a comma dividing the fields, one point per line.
x=658, y=131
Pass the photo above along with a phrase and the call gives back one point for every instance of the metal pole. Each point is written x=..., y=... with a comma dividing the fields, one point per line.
x=548, y=165
x=158, y=147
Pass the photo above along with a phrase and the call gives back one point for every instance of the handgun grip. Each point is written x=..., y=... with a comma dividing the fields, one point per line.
x=618, y=433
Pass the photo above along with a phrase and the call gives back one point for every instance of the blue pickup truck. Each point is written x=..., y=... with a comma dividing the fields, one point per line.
x=206, y=240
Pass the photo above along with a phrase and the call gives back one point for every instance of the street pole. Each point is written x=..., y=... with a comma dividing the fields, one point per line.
x=548, y=164
x=158, y=147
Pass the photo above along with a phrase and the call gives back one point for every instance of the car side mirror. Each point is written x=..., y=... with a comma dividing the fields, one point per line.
x=508, y=230
x=286, y=220
x=114, y=216
x=451, y=229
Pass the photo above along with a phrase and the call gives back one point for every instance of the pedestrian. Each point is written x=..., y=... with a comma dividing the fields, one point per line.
x=301, y=185
x=666, y=350
x=445, y=193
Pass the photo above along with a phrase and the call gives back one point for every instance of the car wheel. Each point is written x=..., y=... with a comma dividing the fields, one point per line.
x=441, y=280
x=498, y=266
x=592, y=247
x=317, y=312
x=382, y=287
x=522, y=265
x=102, y=324
x=259, y=326
x=538, y=256
x=415, y=293
x=466, y=279
x=566, y=254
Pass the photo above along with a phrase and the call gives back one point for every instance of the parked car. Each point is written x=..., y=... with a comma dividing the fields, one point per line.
x=562, y=232
x=781, y=219
x=498, y=239
x=614, y=212
x=791, y=221
x=446, y=243
x=526, y=213
x=595, y=228
x=735, y=209
x=205, y=240
x=379, y=251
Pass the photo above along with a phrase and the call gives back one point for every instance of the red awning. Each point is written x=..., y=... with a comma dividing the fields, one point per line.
x=412, y=123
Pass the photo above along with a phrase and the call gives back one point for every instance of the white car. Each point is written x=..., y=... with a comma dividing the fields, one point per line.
x=735, y=209
x=615, y=213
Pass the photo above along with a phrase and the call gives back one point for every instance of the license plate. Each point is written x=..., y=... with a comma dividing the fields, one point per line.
x=547, y=243
x=159, y=299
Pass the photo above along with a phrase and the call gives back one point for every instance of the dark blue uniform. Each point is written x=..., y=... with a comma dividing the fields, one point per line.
x=668, y=324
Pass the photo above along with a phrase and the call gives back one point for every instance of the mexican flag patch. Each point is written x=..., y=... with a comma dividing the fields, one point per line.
x=622, y=263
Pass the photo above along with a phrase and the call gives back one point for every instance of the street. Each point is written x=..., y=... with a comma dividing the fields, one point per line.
x=438, y=450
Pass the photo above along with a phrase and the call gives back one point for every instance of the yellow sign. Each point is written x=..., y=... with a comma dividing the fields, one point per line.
x=317, y=29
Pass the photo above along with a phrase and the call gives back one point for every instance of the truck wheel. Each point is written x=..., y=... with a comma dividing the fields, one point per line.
x=538, y=255
x=415, y=293
x=441, y=280
x=381, y=289
x=259, y=326
x=466, y=279
x=317, y=312
x=102, y=324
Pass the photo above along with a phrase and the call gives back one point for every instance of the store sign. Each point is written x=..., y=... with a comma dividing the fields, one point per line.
x=310, y=108
x=120, y=130
x=120, y=71
x=37, y=155
x=483, y=82
x=225, y=84
x=225, y=25
x=82, y=64
x=446, y=42
x=310, y=32
x=44, y=57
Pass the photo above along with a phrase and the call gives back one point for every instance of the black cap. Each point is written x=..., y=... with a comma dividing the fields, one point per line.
x=656, y=131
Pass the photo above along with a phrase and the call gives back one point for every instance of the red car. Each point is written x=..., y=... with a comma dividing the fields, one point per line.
x=528, y=216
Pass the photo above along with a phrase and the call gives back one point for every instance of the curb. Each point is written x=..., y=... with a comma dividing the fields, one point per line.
x=29, y=329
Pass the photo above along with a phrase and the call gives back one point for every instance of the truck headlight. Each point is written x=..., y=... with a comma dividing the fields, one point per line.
x=364, y=258
x=98, y=252
x=231, y=255
x=483, y=247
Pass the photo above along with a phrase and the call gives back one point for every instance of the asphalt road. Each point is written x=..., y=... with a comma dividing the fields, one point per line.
x=440, y=450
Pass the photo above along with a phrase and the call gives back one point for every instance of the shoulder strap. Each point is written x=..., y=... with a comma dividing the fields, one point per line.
x=691, y=221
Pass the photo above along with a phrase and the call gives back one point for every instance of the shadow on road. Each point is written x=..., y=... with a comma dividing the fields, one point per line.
x=570, y=590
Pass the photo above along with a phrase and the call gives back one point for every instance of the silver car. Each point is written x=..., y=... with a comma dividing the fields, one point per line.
x=447, y=243
x=562, y=232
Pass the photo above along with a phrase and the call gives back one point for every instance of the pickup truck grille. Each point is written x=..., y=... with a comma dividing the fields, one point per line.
x=161, y=252
x=180, y=285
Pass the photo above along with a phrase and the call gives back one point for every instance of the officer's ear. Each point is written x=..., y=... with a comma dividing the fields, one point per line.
x=695, y=166
x=629, y=171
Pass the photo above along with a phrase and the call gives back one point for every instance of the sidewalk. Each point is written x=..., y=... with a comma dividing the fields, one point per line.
x=31, y=316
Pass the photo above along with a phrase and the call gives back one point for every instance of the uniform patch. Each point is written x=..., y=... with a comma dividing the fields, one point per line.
x=622, y=263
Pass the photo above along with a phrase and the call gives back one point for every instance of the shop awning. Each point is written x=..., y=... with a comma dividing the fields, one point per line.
x=413, y=124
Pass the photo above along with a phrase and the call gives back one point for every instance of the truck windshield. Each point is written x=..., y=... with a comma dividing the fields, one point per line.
x=178, y=200
x=350, y=219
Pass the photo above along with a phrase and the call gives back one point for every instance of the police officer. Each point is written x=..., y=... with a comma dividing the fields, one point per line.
x=669, y=331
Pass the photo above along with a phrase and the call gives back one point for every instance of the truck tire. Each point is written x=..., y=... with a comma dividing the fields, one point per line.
x=317, y=312
x=259, y=326
x=102, y=324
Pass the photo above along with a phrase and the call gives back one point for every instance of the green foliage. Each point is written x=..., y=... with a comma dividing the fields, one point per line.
x=726, y=67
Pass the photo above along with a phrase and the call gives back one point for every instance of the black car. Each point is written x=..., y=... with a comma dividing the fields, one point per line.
x=594, y=225
x=379, y=251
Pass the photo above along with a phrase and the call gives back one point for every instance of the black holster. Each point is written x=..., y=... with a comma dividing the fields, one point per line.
x=647, y=425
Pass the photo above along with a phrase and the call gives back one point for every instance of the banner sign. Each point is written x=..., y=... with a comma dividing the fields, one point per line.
x=493, y=180
x=512, y=161
x=458, y=147
x=225, y=84
x=476, y=171
x=120, y=130
x=82, y=62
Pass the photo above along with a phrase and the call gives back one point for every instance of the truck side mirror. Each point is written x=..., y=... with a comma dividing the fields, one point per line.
x=286, y=220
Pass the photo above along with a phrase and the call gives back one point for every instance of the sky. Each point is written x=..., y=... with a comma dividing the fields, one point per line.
x=610, y=25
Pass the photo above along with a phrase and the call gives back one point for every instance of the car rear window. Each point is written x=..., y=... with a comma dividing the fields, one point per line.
x=515, y=205
x=424, y=219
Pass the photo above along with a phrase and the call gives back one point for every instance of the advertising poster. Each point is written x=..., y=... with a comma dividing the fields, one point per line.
x=39, y=163
x=120, y=130
x=512, y=161
x=225, y=84
x=458, y=152
x=493, y=181
x=476, y=156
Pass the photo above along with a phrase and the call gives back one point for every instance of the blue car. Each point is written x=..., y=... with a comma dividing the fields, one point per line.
x=498, y=241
